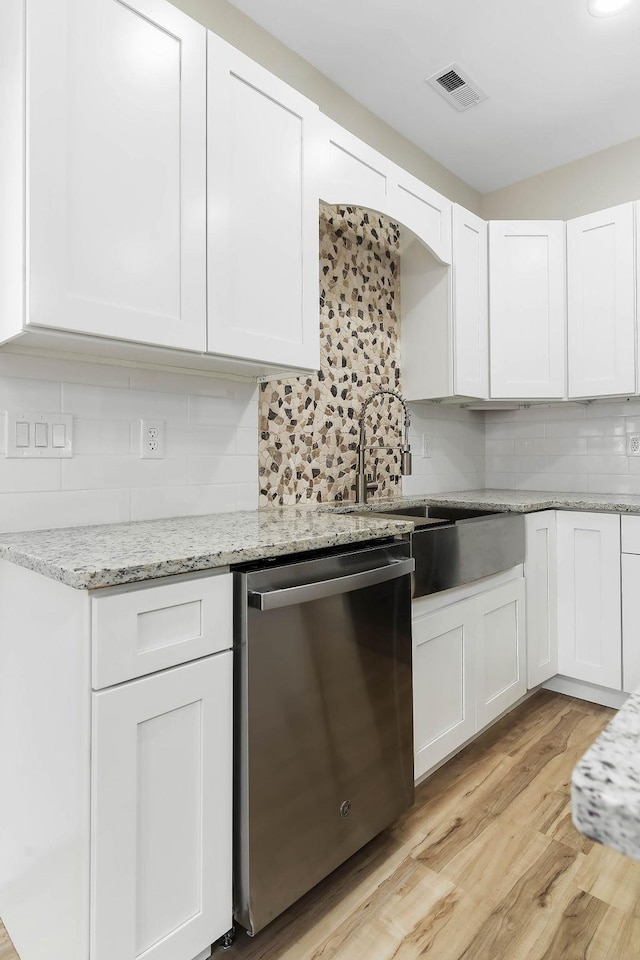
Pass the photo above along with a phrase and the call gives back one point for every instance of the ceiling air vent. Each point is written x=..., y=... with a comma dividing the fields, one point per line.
x=455, y=86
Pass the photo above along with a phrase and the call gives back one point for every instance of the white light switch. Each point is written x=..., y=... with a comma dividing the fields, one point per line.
x=42, y=434
x=22, y=434
x=58, y=435
x=45, y=435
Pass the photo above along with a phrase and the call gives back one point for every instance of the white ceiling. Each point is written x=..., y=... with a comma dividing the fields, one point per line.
x=561, y=83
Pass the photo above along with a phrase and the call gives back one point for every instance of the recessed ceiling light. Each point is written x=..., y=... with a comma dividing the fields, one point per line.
x=607, y=8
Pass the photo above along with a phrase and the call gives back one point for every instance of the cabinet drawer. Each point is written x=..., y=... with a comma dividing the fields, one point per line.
x=631, y=534
x=148, y=628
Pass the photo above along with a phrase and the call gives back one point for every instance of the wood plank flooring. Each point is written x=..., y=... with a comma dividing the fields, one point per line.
x=486, y=866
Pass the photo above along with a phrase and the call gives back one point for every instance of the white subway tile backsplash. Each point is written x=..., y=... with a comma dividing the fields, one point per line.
x=586, y=428
x=29, y=475
x=247, y=496
x=29, y=395
x=211, y=444
x=513, y=430
x=550, y=447
x=567, y=483
x=106, y=438
x=612, y=446
x=609, y=483
x=62, y=508
x=499, y=448
x=203, y=470
x=149, y=503
x=247, y=441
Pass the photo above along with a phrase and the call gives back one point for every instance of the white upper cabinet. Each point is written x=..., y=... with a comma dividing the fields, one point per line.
x=263, y=157
x=470, y=305
x=445, y=340
x=116, y=173
x=424, y=211
x=353, y=173
x=527, y=309
x=601, y=303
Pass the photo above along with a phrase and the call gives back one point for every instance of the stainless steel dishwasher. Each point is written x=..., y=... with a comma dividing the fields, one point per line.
x=324, y=727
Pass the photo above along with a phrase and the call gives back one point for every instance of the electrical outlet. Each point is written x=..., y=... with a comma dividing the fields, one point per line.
x=426, y=447
x=633, y=444
x=151, y=439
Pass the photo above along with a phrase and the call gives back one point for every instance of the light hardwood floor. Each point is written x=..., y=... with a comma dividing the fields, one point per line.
x=486, y=866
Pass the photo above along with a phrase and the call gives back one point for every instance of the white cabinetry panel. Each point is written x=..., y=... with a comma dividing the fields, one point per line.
x=263, y=156
x=589, y=623
x=468, y=666
x=540, y=570
x=161, y=820
x=423, y=210
x=501, y=674
x=443, y=683
x=601, y=303
x=630, y=622
x=352, y=172
x=116, y=181
x=527, y=308
x=152, y=627
x=470, y=305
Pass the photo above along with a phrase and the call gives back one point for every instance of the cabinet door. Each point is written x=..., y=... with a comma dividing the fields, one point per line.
x=540, y=571
x=601, y=303
x=116, y=180
x=161, y=813
x=630, y=623
x=500, y=656
x=443, y=688
x=527, y=313
x=470, y=305
x=589, y=629
x=263, y=144
x=423, y=210
x=352, y=172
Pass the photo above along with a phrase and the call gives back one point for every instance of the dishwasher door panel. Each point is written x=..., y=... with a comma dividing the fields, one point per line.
x=328, y=739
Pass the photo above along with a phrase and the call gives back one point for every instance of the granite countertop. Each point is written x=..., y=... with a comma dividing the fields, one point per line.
x=110, y=554
x=605, y=787
x=514, y=501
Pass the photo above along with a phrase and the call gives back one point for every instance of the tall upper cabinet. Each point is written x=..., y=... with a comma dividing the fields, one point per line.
x=601, y=303
x=116, y=169
x=444, y=315
x=264, y=146
x=527, y=309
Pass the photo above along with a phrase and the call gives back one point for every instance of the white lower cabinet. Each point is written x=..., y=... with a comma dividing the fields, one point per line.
x=589, y=621
x=469, y=667
x=540, y=571
x=630, y=594
x=443, y=684
x=500, y=651
x=161, y=826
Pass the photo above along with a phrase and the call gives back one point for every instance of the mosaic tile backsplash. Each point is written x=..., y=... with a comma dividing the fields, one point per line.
x=308, y=426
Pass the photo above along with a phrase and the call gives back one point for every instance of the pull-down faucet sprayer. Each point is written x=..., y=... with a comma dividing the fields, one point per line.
x=365, y=483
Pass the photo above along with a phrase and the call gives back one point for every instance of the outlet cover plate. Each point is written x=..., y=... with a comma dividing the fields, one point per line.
x=633, y=444
x=151, y=439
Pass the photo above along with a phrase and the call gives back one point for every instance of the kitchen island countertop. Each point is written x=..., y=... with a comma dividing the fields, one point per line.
x=605, y=786
x=106, y=555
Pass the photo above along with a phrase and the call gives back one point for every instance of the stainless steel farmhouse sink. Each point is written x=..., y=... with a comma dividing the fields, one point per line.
x=453, y=545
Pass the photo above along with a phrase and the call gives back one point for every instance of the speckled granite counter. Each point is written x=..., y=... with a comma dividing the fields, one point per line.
x=605, y=787
x=515, y=501
x=110, y=554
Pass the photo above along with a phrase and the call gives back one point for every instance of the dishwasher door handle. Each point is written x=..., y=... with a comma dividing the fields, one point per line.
x=272, y=599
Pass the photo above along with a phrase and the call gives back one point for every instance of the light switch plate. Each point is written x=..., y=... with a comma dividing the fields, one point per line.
x=38, y=435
